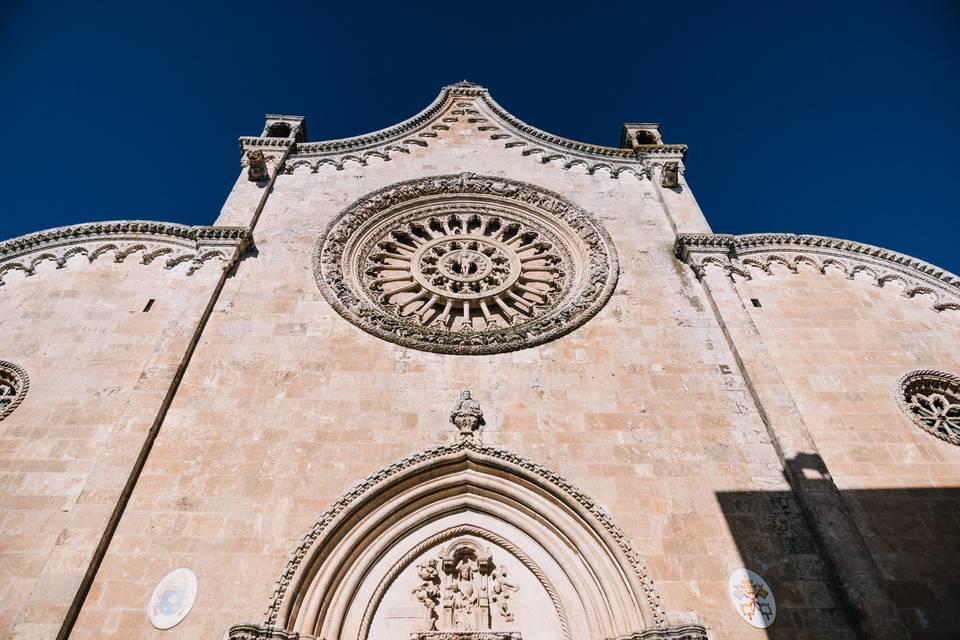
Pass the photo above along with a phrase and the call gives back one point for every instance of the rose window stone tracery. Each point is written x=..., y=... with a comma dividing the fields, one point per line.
x=466, y=264
x=931, y=399
x=444, y=272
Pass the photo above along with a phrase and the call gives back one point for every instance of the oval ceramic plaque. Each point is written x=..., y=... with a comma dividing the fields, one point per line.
x=752, y=598
x=172, y=599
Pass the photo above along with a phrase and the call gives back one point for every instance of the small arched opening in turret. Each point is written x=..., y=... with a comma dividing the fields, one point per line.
x=279, y=130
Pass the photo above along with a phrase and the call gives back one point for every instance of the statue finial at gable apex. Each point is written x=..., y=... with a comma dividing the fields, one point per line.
x=465, y=87
x=467, y=417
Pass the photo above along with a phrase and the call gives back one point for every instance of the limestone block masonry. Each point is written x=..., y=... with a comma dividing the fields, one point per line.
x=464, y=379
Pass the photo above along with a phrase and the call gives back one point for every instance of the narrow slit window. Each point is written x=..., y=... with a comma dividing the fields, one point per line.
x=149, y=304
x=755, y=302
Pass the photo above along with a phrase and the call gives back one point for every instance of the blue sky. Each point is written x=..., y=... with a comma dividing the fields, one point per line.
x=834, y=118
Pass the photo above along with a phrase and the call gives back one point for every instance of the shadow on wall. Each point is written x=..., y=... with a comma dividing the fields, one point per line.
x=912, y=533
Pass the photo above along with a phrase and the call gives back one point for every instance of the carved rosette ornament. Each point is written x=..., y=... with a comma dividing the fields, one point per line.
x=931, y=399
x=466, y=264
x=13, y=387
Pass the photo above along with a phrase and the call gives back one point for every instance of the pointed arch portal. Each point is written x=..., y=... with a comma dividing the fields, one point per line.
x=469, y=539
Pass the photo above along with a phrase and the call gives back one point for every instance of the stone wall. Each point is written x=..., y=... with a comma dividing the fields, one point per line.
x=841, y=345
x=99, y=368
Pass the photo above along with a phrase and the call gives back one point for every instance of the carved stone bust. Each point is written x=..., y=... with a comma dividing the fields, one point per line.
x=467, y=416
x=257, y=169
x=670, y=177
x=466, y=264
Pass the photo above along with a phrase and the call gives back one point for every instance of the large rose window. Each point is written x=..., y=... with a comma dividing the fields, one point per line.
x=466, y=264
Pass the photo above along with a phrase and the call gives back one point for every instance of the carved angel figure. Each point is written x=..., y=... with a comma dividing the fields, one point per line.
x=503, y=588
x=428, y=593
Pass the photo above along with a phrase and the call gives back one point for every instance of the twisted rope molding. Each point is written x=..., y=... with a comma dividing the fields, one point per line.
x=176, y=242
x=472, y=101
x=465, y=447
x=736, y=255
x=21, y=381
x=400, y=565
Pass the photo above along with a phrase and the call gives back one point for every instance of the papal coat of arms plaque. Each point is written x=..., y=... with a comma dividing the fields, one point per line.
x=752, y=597
x=172, y=599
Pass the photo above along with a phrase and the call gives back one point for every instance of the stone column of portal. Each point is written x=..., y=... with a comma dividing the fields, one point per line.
x=249, y=194
x=847, y=556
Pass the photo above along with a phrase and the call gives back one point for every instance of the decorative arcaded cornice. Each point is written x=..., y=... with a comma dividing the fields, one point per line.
x=580, y=148
x=467, y=102
x=175, y=243
x=737, y=255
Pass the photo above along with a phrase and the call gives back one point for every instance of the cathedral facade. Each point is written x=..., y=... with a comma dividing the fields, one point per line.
x=462, y=379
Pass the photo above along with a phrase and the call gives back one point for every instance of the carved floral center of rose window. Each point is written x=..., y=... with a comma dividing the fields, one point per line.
x=932, y=401
x=465, y=270
x=465, y=264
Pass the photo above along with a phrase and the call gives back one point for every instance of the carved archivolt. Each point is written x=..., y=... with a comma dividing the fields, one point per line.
x=174, y=244
x=466, y=264
x=596, y=582
x=470, y=103
x=931, y=399
x=14, y=383
x=741, y=255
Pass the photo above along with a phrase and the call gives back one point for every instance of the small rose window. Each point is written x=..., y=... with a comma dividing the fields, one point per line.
x=931, y=399
x=13, y=386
